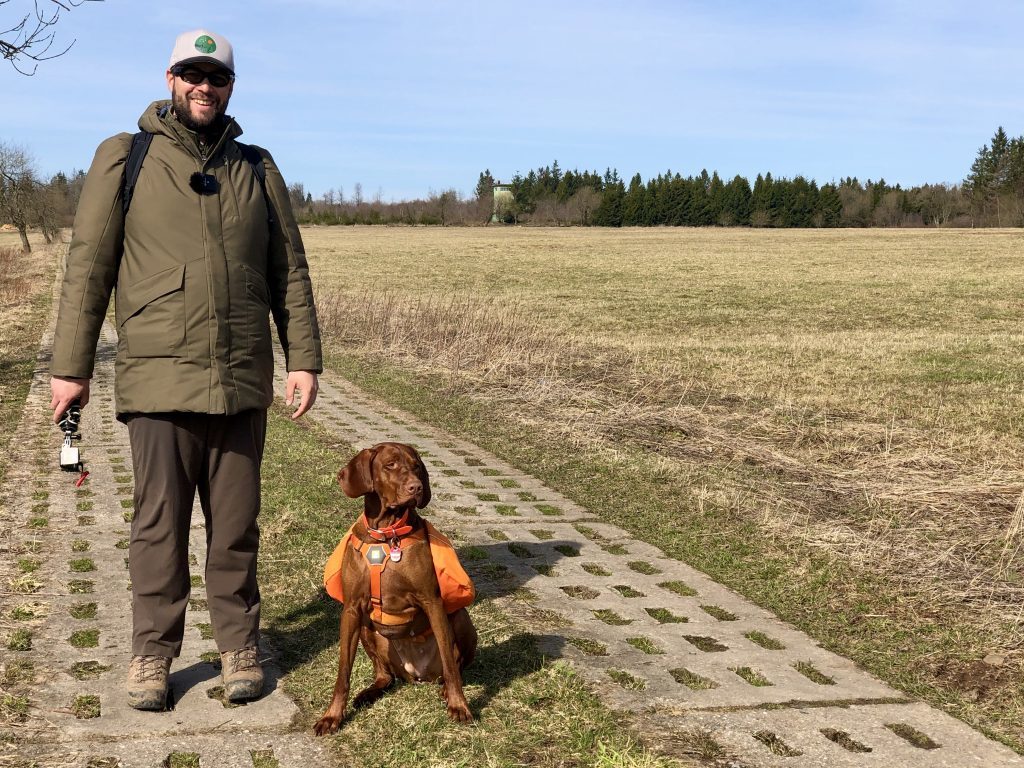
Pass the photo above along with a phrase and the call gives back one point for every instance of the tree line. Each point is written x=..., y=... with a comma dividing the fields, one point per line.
x=991, y=195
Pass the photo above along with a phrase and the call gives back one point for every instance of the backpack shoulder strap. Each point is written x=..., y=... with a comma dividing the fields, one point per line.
x=132, y=166
x=255, y=160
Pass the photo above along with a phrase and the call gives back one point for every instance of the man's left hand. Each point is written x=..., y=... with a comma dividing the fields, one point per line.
x=307, y=385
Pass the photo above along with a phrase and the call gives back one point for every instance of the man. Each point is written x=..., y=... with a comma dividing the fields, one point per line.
x=206, y=252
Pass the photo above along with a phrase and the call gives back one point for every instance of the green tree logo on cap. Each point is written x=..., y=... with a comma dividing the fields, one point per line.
x=205, y=44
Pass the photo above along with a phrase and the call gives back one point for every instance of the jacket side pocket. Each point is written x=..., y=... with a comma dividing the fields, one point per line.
x=257, y=295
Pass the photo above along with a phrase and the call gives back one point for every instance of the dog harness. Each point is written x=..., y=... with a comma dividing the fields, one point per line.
x=387, y=546
x=388, y=549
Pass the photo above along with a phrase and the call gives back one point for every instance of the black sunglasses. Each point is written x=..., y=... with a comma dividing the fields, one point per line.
x=194, y=76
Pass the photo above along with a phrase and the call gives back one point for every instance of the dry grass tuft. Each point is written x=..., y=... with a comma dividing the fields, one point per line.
x=461, y=333
x=18, y=277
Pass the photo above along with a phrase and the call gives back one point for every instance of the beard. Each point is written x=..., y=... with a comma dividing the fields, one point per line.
x=183, y=112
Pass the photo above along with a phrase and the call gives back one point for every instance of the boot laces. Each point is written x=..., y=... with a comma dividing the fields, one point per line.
x=244, y=659
x=149, y=668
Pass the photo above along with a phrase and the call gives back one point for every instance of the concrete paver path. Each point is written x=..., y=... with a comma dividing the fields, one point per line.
x=652, y=635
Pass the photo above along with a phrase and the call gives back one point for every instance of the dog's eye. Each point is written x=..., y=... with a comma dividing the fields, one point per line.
x=391, y=465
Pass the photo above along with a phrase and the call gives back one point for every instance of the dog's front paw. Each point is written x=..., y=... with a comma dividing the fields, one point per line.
x=460, y=713
x=326, y=724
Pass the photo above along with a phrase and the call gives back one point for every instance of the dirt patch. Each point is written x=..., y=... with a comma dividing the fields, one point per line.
x=977, y=680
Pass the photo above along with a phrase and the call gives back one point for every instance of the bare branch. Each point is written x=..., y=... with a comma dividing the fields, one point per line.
x=32, y=38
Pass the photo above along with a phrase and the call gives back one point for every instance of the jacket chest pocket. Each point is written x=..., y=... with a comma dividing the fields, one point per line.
x=153, y=315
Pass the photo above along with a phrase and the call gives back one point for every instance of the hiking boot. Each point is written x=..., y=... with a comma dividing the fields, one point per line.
x=147, y=682
x=243, y=675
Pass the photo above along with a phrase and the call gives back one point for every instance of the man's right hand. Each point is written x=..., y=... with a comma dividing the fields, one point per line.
x=65, y=390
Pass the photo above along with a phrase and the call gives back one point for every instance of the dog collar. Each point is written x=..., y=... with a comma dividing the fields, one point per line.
x=392, y=532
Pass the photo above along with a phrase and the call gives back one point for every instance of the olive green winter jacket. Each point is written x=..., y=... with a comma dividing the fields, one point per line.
x=196, y=277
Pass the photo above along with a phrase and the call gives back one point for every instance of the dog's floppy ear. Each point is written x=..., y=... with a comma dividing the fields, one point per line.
x=421, y=473
x=355, y=478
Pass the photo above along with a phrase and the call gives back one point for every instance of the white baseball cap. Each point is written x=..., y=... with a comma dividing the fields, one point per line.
x=198, y=45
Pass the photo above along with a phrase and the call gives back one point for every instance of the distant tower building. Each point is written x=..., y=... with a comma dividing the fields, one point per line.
x=503, y=199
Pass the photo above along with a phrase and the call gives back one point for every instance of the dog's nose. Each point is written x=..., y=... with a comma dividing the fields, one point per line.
x=414, y=488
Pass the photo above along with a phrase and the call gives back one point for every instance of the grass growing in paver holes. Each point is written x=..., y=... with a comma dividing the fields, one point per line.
x=25, y=585
x=644, y=644
x=692, y=680
x=609, y=616
x=719, y=613
x=627, y=591
x=776, y=745
x=665, y=616
x=83, y=610
x=580, y=591
x=17, y=671
x=803, y=404
x=182, y=760
x=85, y=638
x=264, y=758
x=19, y=640
x=760, y=638
x=520, y=550
x=529, y=709
x=752, y=676
x=642, y=566
x=588, y=646
x=13, y=709
x=86, y=706
x=27, y=611
x=626, y=680
x=809, y=671
x=88, y=670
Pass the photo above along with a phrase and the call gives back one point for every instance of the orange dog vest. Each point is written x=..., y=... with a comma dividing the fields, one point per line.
x=457, y=589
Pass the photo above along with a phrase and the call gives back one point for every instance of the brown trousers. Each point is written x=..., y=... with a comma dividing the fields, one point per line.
x=174, y=455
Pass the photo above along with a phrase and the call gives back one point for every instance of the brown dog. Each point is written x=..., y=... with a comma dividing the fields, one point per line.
x=396, y=631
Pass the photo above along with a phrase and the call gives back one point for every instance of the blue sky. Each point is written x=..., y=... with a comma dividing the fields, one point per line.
x=406, y=97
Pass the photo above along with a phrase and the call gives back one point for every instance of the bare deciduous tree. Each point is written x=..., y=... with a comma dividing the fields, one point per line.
x=444, y=203
x=26, y=201
x=32, y=38
x=583, y=204
x=17, y=190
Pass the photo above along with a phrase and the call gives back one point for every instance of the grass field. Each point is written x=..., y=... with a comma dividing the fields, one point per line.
x=827, y=421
